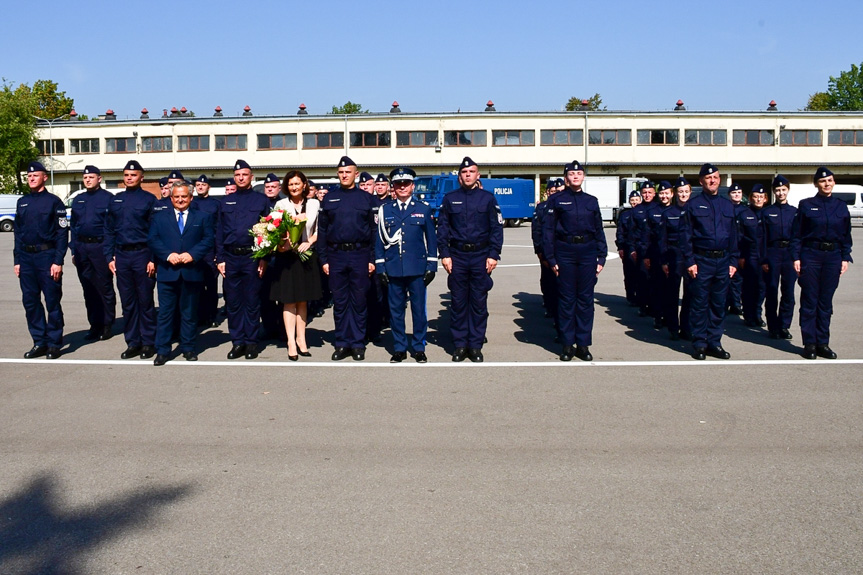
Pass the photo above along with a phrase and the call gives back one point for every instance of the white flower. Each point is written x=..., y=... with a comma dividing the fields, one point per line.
x=276, y=215
x=271, y=228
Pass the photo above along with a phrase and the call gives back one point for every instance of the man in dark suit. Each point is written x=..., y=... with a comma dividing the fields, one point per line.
x=180, y=240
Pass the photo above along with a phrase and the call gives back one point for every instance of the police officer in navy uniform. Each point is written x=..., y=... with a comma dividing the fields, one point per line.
x=382, y=188
x=88, y=222
x=672, y=264
x=129, y=258
x=575, y=247
x=708, y=246
x=367, y=182
x=777, y=221
x=650, y=239
x=547, y=279
x=208, y=303
x=406, y=261
x=624, y=249
x=638, y=247
x=41, y=239
x=470, y=239
x=821, y=248
x=376, y=297
x=734, y=301
x=346, y=243
x=272, y=324
x=241, y=274
x=272, y=189
x=750, y=244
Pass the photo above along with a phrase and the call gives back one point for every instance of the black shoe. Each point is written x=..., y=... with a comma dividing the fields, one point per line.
x=54, y=353
x=657, y=323
x=399, y=357
x=420, y=357
x=160, y=360
x=358, y=353
x=36, y=351
x=475, y=355
x=568, y=353
x=93, y=334
x=718, y=352
x=341, y=353
x=190, y=356
x=698, y=353
x=147, y=351
x=237, y=351
x=734, y=310
x=685, y=335
x=131, y=351
x=459, y=354
x=785, y=334
x=822, y=350
x=775, y=335
x=251, y=351
x=484, y=340
x=583, y=353
x=304, y=353
x=293, y=357
x=751, y=323
x=809, y=352
x=106, y=334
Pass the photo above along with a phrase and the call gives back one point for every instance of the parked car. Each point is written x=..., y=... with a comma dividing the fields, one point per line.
x=8, y=204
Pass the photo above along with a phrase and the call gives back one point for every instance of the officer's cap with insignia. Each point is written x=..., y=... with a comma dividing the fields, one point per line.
x=163, y=182
x=203, y=179
x=36, y=167
x=707, y=169
x=365, y=177
x=681, y=181
x=664, y=185
x=558, y=182
x=403, y=175
x=134, y=166
x=176, y=175
x=230, y=182
x=757, y=189
x=735, y=188
x=92, y=170
x=466, y=163
x=634, y=194
x=551, y=183
x=822, y=172
x=573, y=166
x=345, y=161
x=381, y=178
x=781, y=180
x=647, y=184
x=241, y=165
x=271, y=177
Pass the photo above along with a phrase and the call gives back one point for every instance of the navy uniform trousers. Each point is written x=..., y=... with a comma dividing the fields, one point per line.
x=400, y=291
x=753, y=289
x=34, y=276
x=709, y=291
x=349, y=283
x=469, y=284
x=136, y=296
x=676, y=314
x=819, y=278
x=97, y=283
x=242, y=288
x=208, y=301
x=576, y=281
x=548, y=287
x=780, y=278
x=735, y=292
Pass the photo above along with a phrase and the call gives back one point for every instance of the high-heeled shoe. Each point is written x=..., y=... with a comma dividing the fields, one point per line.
x=304, y=353
x=293, y=357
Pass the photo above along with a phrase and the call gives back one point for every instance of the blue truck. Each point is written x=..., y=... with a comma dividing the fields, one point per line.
x=514, y=196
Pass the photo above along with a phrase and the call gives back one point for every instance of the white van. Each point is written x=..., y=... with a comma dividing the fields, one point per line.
x=8, y=205
x=851, y=194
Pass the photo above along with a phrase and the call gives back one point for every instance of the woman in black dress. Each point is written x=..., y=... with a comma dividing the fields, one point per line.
x=297, y=282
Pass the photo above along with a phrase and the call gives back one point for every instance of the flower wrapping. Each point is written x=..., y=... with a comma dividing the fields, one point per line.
x=268, y=233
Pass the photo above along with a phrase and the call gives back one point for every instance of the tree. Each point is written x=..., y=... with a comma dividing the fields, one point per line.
x=818, y=102
x=17, y=133
x=843, y=93
x=44, y=99
x=594, y=104
x=349, y=108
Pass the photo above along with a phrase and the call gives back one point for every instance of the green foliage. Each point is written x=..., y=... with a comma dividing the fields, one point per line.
x=594, y=104
x=44, y=99
x=818, y=102
x=349, y=108
x=17, y=131
x=844, y=93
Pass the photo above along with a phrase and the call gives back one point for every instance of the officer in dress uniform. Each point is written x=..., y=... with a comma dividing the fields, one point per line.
x=208, y=304
x=776, y=261
x=470, y=238
x=575, y=247
x=41, y=239
x=241, y=274
x=88, y=221
x=406, y=261
x=376, y=297
x=708, y=246
x=130, y=260
x=734, y=301
x=635, y=240
x=650, y=247
x=672, y=264
x=346, y=240
x=821, y=248
x=624, y=249
x=547, y=279
x=750, y=244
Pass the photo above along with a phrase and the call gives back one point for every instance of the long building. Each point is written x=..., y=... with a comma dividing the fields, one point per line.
x=748, y=146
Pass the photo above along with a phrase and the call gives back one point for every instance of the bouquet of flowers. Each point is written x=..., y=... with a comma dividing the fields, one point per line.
x=268, y=233
x=296, y=225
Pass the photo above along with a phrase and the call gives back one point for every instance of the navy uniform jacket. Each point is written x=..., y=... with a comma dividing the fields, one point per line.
x=197, y=239
x=128, y=219
x=636, y=230
x=536, y=227
x=749, y=239
x=822, y=219
x=237, y=214
x=624, y=229
x=651, y=230
x=416, y=252
x=776, y=223
x=669, y=241
x=708, y=224
x=89, y=215
x=470, y=217
x=40, y=218
x=347, y=216
x=573, y=214
x=209, y=204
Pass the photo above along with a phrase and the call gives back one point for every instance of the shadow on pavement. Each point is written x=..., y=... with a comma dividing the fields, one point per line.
x=535, y=328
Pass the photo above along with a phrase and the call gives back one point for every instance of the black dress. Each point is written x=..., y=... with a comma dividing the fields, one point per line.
x=294, y=280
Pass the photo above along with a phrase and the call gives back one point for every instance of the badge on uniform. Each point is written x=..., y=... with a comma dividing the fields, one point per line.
x=64, y=223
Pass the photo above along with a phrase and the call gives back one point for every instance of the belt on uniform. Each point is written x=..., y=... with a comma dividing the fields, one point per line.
x=467, y=246
x=780, y=243
x=571, y=239
x=90, y=239
x=239, y=250
x=348, y=246
x=822, y=246
x=37, y=248
x=710, y=253
x=133, y=247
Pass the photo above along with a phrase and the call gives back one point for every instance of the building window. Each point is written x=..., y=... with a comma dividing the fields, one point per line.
x=156, y=144
x=44, y=147
x=658, y=137
x=416, y=139
x=513, y=138
x=705, y=137
x=469, y=138
x=609, y=137
x=277, y=141
x=561, y=138
x=323, y=140
x=85, y=146
x=800, y=137
x=370, y=139
x=237, y=142
x=193, y=143
x=753, y=138
x=119, y=145
x=845, y=138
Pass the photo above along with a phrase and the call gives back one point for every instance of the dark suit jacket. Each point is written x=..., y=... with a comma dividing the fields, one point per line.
x=198, y=239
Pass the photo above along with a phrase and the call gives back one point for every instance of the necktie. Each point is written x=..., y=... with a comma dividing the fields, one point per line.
x=180, y=222
x=402, y=206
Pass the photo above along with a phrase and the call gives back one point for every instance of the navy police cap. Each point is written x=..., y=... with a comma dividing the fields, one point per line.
x=346, y=161
x=647, y=184
x=381, y=178
x=36, y=167
x=735, y=188
x=271, y=177
x=203, y=179
x=664, y=185
x=781, y=180
x=241, y=165
x=550, y=183
x=634, y=194
x=176, y=175
x=757, y=189
x=822, y=172
x=402, y=175
x=707, y=169
x=681, y=181
x=92, y=170
x=163, y=182
x=365, y=177
x=230, y=182
x=573, y=166
x=558, y=182
x=134, y=166
x=466, y=163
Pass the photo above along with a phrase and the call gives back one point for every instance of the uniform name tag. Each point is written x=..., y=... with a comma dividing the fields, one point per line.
x=457, y=203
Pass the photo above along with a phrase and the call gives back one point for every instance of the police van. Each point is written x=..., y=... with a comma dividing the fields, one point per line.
x=8, y=205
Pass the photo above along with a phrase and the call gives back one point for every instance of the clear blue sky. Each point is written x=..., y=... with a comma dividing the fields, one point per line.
x=430, y=56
